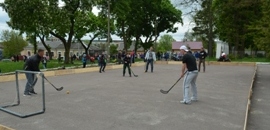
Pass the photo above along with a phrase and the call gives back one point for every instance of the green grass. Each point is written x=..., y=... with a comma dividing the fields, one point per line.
x=13, y=66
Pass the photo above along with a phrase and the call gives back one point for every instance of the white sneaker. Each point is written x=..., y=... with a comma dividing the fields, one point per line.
x=26, y=94
x=184, y=102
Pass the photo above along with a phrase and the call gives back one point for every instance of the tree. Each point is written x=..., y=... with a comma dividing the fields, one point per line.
x=113, y=49
x=13, y=43
x=94, y=26
x=204, y=20
x=261, y=29
x=165, y=43
x=26, y=17
x=189, y=36
x=143, y=19
x=232, y=21
x=55, y=20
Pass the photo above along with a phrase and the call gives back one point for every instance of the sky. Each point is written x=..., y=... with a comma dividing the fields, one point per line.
x=178, y=36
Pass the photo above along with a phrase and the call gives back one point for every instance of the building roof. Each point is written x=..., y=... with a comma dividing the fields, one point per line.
x=193, y=45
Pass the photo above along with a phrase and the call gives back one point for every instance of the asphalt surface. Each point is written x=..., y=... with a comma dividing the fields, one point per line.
x=259, y=115
x=109, y=101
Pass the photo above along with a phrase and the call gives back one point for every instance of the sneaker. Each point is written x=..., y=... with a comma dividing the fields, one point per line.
x=32, y=92
x=194, y=100
x=130, y=75
x=184, y=102
x=26, y=94
x=145, y=71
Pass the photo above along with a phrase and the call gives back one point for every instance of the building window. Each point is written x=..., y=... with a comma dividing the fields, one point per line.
x=52, y=54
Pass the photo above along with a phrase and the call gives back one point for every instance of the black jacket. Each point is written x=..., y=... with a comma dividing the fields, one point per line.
x=32, y=64
x=202, y=55
x=127, y=60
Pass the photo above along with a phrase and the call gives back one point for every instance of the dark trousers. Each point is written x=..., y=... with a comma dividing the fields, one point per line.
x=150, y=61
x=124, y=69
x=84, y=64
x=44, y=65
x=119, y=60
x=102, y=67
x=201, y=61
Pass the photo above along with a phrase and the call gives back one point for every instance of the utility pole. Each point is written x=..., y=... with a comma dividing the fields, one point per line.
x=108, y=39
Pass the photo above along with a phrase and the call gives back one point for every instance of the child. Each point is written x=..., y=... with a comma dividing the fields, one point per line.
x=127, y=60
x=44, y=62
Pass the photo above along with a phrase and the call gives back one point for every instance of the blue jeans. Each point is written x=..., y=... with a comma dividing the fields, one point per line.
x=149, y=61
x=31, y=81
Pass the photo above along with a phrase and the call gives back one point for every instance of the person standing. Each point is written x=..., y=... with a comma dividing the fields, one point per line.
x=104, y=63
x=32, y=64
x=190, y=68
x=119, y=57
x=150, y=57
x=202, y=57
x=84, y=59
x=44, y=62
x=127, y=62
x=101, y=63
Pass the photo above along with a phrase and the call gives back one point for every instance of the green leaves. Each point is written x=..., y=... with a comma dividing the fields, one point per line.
x=261, y=29
x=165, y=43
x=13, y=43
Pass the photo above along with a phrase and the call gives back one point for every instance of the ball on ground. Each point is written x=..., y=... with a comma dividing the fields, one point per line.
x=67, y=92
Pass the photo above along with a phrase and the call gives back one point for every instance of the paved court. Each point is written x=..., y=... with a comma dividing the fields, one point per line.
x=259, y=116
x=108, y=101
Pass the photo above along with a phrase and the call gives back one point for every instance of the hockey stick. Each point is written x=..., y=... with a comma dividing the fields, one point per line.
x=133, y=73
x=165, y=92
x=58, y=89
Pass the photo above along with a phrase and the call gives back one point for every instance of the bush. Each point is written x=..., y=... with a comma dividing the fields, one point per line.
x=232, y=56
x=260, y=55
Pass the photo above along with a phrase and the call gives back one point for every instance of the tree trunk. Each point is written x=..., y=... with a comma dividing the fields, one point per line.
x=136, y=44
x=35, y=43
x=42, y=39
x=124, y=36
x=210, y=35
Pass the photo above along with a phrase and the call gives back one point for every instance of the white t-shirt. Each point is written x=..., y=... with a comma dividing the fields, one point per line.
x=223, y=54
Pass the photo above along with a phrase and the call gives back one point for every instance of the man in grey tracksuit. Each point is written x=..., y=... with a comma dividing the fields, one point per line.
x=150, y=57
x=189, y=63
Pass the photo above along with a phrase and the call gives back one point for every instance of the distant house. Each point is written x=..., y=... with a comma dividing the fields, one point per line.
x=194, y=46
x=57, y=47
x=131, y=48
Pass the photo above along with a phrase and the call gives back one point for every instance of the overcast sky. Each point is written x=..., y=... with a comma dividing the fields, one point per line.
x=178, y=36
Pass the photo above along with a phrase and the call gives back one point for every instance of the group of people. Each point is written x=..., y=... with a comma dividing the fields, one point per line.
x=189, y=70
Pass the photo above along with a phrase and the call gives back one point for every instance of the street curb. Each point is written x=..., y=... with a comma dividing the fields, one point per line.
x=249, y=96
x=5, y=128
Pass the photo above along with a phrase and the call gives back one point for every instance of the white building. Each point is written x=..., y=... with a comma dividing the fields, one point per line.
x=221, y=47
